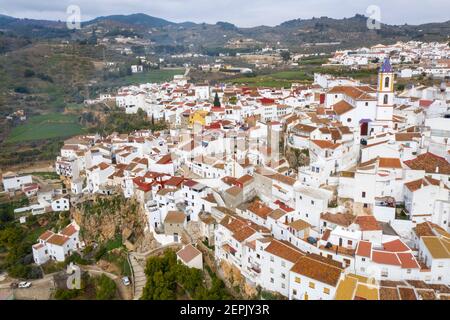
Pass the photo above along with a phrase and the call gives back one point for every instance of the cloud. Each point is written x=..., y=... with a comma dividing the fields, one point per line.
x=242, y=13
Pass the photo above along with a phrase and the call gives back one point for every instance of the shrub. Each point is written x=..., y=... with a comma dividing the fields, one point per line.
x=66, y=294
x=105, y=288
x=28, y=73
x=21, y=89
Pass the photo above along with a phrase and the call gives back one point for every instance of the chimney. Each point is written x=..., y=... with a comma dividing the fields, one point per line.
x=437, y=169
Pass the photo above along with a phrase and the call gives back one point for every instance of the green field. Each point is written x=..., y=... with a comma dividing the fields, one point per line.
x=277, y=80
x=47, y=126
x=161, y=75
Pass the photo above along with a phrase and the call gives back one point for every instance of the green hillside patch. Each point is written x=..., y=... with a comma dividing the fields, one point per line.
x=47, y=126
x=282, y=79
x=152, y=76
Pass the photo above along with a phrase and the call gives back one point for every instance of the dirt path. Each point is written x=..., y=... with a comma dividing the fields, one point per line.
x=40, y=166
x=124, y=291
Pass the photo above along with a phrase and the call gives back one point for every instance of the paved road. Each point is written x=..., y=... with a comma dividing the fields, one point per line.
x=40, y=289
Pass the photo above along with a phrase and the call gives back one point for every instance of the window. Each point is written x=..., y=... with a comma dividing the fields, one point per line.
x=283, y=285
x=283, y=264
x=363, y=194
x=349, y=119
x=297, y=279
x=271, y=258
x=326, y=290
x=294, y=292
x=312, y=285
x=271, y=270
x=271, y=280
x=283, y=276
x=349, y=242
x=367, y=104
x=312, y=202
x=385, y=99
x=386, y=82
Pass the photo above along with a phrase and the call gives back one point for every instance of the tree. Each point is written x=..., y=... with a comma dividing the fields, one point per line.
x=285, y=55
x=105, y=288
x=165, y=274
x=28, y=73
x=216, y=100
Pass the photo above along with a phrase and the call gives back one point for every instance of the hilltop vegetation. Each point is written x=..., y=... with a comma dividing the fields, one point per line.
x=168, y=279
x=16, y=239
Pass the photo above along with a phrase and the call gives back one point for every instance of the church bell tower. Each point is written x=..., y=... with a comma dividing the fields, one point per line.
x=385, y=92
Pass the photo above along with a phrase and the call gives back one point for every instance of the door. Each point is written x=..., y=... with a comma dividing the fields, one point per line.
x=364, y=128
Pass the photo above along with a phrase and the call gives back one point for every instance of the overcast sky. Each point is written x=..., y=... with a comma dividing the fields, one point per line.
x=243, y=13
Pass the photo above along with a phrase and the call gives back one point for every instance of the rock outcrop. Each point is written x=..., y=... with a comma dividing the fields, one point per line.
x=103, y=218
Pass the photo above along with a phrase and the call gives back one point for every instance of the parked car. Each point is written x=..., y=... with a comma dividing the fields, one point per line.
x=126, y=281
x=24, y=284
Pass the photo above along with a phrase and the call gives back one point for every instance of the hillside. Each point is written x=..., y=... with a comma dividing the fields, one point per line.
x=295, y=34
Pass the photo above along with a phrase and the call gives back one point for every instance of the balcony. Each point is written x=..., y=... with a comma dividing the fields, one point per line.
x=388, y=202
x=255, y=269
x=339, y=250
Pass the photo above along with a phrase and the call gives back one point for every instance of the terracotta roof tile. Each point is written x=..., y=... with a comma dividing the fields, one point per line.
x=188, y=253
x=318, y=270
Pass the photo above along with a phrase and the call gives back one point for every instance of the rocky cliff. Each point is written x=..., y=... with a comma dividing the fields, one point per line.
x=103, y=218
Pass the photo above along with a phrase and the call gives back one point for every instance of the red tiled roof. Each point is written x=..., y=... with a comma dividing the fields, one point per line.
x=395, y=246
x=429, y=162
x=188, y=253
x=390, y=163
x=325, y=144
x=384, y=257
x=407, y=260
x=47, y=234
x=165, y=159
x=144, y=186
x=69, y=230
x=368, y=223
x=425, y=103
x=418, y=184
x=342, y=107
x=284, y=250
x=364, y=249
